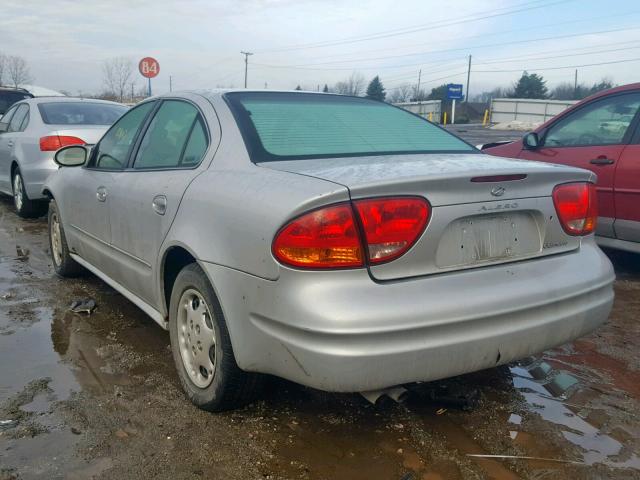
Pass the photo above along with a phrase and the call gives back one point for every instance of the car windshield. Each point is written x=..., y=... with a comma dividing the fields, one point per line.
x=9, y=98
x=291, y=126
x=80, y=113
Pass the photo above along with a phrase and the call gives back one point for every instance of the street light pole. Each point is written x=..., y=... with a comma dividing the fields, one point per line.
x=246, y=66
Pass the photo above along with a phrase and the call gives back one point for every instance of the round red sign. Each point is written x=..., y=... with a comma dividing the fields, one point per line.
x=149, y=67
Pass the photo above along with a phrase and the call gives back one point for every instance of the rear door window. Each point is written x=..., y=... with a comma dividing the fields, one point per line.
x=113, y=150
x=6, y=118
x=175, y=138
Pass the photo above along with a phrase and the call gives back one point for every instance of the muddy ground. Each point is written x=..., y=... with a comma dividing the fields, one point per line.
x=97, y=397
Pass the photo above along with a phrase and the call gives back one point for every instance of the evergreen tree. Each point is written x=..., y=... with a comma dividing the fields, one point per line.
x=375, y=90
x=530, y=86
x=325, y=89
x=439, y=93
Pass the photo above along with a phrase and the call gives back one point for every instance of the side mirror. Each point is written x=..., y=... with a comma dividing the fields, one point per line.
x=4, y=127
x=531, y=141
x=71, y=156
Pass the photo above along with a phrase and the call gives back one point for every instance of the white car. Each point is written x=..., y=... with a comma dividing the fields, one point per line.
x=30, y=133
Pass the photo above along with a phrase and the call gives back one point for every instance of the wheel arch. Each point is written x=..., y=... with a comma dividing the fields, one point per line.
x=174, y=258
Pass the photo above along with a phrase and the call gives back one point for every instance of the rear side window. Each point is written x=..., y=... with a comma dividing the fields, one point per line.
x=175, y=138
x=18, y=118
x=80, y=113
x=287, y=126
x=196, y=146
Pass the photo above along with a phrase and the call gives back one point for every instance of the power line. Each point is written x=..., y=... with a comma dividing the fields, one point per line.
x=418, y=28
x=430, y=52
x=484, y=35
x=514, y=59
x=529, y=69
x=431, y=80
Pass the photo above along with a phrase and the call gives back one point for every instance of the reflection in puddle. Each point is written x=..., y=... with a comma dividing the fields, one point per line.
x=596, y=446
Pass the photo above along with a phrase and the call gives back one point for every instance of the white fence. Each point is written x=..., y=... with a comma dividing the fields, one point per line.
x=526, y=110
x=430, y=109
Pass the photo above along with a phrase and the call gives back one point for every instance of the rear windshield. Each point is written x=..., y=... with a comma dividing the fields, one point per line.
x=80, y=113
x=9, y=98
x=290, y=126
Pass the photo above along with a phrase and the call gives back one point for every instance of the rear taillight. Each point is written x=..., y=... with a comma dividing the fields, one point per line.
x=330, y=237
x=391, y=225
x=577, y=207
x=51, y=143
x=325, y=238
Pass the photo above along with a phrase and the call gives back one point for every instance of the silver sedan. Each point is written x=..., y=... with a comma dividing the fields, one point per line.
x=338, y=242
x=30, y=133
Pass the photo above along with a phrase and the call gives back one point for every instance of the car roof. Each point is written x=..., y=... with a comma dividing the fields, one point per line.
x=217, y=92
x=13, y=89
x=55, y=99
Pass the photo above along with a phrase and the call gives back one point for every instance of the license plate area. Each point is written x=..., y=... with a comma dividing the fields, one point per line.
x=493, y=238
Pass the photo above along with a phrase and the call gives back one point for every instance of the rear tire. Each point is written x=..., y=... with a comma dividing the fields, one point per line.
x=25, y=207
x=63, y=264
x=201, y=346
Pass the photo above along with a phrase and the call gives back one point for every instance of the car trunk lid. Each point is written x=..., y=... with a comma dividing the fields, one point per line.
x=485, y=210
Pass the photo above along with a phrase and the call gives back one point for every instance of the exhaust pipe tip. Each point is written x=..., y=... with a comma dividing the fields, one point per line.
x=397, y=394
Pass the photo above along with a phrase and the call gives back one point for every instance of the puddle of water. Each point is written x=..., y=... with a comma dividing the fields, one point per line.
x=596, y=446
x=27, y=354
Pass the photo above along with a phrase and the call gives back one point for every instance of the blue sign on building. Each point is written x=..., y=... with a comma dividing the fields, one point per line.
x=454, y=91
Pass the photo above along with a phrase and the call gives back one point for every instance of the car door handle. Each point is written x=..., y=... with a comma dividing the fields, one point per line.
x=159, y=204
x=101, y=194
x=602, y=161
x=10, y=143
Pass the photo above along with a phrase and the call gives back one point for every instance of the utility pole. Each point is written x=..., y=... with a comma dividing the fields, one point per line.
x=246, y=66
x=466, y=98
x=575, y=85
x=170, y=83
x=418, y=86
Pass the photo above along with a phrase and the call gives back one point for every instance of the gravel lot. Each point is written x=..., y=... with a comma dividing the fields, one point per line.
x=97, y=397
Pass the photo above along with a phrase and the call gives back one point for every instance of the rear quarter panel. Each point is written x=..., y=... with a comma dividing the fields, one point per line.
x=230, y=217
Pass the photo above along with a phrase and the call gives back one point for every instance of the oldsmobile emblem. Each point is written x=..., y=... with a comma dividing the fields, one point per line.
x=497, y=191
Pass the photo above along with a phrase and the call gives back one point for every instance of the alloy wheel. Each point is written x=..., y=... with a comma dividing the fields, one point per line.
x=197, y=338
x=56, y=239
x=17, y=191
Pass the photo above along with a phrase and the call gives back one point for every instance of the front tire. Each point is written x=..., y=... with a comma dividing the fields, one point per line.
x=201, y=346
x=63, y=264
x=25, y=207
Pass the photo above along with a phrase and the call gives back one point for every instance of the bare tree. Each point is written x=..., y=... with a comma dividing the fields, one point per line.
x=17, y=70
x=116, y=74
x=401, y=93
x=354, y=85
x=487, y=96
x=3, y=66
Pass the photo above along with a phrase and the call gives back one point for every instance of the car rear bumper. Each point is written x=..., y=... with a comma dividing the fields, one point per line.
x=35, y=174
x=340, y=331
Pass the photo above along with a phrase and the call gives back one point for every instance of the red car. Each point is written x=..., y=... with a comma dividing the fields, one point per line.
x=602, y=134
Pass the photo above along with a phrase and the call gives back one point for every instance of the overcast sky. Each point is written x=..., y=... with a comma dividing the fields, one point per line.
x=313, y=42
